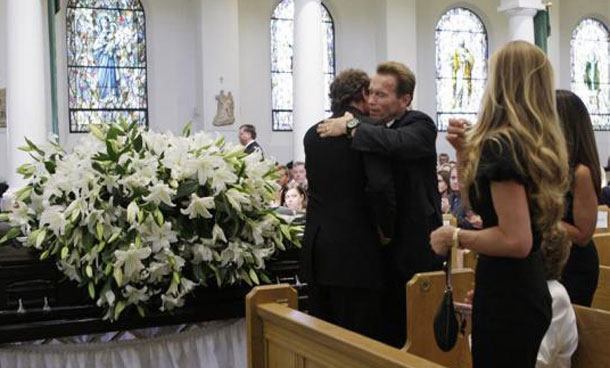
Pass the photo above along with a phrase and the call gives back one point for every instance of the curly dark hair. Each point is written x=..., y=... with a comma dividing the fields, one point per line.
x=347, y=88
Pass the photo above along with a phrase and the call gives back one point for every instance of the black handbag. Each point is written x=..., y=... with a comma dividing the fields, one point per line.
x=446, y=326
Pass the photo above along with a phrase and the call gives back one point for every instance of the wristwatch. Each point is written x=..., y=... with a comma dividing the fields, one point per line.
x=350, y=126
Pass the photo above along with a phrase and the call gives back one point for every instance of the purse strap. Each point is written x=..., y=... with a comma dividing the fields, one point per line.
x=447, y=269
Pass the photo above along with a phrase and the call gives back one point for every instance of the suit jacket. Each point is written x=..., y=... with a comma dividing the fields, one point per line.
x=411, y=145
x=253, y=146
x=350, y=195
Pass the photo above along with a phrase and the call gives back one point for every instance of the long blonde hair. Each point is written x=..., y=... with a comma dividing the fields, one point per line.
x=519, y=108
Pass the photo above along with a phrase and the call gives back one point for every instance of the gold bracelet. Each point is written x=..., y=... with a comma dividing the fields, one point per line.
x=456, y=239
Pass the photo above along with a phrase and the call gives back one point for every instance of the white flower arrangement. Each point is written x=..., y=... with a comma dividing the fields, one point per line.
x=142, y=218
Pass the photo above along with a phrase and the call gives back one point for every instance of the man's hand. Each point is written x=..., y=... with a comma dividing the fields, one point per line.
x=334, y=127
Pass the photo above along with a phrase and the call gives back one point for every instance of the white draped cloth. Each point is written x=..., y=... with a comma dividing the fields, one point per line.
x=216, y=344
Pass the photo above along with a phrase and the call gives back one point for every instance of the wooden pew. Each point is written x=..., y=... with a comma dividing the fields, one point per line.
x=593, y=338
x=424, y=292
x=280, y=336
x=603, y=219
x=602, y=243
x=460, y=258
x=601, y=299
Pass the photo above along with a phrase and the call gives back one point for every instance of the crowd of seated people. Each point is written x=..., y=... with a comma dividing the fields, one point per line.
x=292, y=194
x=451, y=200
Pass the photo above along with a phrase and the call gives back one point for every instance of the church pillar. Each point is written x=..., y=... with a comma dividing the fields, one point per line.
x=521, y=18
x=308, y=81
x=26, y=85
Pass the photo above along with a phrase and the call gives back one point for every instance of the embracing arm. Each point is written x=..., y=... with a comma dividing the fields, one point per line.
x=584, y=207
x=414, y=140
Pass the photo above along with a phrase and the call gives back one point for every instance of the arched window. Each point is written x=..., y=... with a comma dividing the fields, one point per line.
x=589, y=57
x=282, y=39
x=461, y=65
x=106, y=62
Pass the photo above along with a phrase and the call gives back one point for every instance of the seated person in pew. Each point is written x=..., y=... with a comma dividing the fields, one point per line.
x=582, y=270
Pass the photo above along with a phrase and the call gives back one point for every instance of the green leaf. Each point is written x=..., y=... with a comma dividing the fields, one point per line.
x=11, y=234
x=4, y=217
x=265, y=278
x=244, y=276
x=186, y=131
x=91, y=290
x=141, y=311
x=285, y=231
x=176, y=277
x=100, y=246
x=74, y=215
x=113, y=132
x=118, y=276
x=112, y=154
x=89, y=271
x=137, y=143
x=50, y=166
x=118, y=309
x=34, y=147
x=137, y=241
x=254, y=277
x=64, y=253
x=108, y=269
x=186, y=188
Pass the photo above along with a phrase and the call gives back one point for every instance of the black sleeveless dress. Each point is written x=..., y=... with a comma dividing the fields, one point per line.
x=582, y=270
x=512, y=303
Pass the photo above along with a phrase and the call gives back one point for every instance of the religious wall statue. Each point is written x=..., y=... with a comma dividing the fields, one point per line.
x=224, y=109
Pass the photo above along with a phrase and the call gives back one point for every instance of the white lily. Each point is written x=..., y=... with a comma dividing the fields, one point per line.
x=237, y=199
x=199, y=207
x=134, y=295
x=131, y=260
x=160, y=193
x=54, y=217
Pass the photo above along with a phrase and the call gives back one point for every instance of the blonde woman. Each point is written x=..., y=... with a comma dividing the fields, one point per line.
x=513, y=170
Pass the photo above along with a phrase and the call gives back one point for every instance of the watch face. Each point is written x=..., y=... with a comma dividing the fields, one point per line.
x=351, y=123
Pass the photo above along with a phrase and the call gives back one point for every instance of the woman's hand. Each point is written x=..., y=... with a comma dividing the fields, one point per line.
x=441, y=240
x=456, y=133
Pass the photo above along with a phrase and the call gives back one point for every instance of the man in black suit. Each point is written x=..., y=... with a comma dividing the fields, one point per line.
x=350, y=213
x=247, y=138
x=407, y=139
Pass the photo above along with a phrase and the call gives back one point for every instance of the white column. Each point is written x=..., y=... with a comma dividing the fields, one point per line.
x=308, y=81
x=521, y=18
x=26, y=85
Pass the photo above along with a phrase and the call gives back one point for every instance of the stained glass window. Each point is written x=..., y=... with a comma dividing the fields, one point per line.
x=106, y=62
x=590, y=78
x=282, y=39
x=461, y=65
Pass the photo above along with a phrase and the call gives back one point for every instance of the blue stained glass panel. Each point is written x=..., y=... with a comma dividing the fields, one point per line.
x=282, y=39
x=461, y=65
x=590, y=47
x=106, y=47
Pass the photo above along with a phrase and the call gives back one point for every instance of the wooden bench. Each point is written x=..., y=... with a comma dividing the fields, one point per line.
x=280, y=336
x=593, y=338
x=460, y=258
x=603, y=220
x=601, y=298
x=602, y=243
x=424, y=292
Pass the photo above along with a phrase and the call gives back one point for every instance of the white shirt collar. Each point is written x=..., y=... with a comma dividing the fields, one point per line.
x=390, y=123
x=249, y=143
